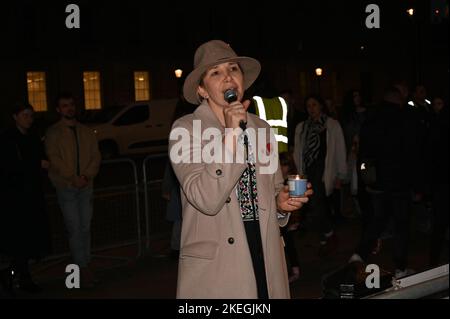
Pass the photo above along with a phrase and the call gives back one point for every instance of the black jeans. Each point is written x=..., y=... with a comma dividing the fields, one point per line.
x=319, y=203
x=440, y=222
x=253, y=233
x=386, y=205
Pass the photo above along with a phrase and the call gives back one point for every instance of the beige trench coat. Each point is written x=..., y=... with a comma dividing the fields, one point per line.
x=215, y=260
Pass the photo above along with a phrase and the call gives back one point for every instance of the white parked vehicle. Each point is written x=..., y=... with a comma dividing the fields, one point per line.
x=141, y=127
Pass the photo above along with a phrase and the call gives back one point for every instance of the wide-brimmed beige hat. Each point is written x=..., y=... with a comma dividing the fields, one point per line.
x=212, y=53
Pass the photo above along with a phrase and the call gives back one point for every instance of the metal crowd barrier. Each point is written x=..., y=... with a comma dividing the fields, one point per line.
x=114, y=191
x=146, y=183
x=118, y=213
x=111, y=226
x=421, y=285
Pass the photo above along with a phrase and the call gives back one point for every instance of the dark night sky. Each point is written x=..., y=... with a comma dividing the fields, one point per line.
x=287, y=37
x=169, y=29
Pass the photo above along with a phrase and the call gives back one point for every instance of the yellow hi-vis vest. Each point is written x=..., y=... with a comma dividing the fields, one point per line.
x=274, y=111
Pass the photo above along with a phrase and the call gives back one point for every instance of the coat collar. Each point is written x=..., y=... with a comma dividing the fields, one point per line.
x=205, y=112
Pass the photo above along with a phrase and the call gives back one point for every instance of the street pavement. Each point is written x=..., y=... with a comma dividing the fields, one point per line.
x=154, y=275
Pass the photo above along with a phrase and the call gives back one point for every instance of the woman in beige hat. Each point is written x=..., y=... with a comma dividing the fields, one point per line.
x=232, y=210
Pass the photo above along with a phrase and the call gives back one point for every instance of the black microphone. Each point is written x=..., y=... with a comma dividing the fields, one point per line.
x=230, y=96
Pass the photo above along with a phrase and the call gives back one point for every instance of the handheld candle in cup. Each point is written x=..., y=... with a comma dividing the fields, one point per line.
x=297, y=185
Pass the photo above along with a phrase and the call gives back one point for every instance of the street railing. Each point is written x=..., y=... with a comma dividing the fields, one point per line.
x=146, y=182
x=421, y=285
x=116, y=220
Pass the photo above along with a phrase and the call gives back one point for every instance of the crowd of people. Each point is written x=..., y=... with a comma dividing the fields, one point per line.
x=69, y=157
x=396, y=156
x=388, y=155
x=230, y=220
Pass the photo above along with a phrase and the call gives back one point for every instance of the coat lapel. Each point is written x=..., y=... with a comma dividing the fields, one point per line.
x=261, y=180
x=209, y=119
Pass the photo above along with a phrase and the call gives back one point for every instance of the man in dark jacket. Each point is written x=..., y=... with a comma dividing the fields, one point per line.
x=437, y=168
x=389, y=139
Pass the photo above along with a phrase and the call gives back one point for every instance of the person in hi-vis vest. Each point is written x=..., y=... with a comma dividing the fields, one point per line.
x=274, y=111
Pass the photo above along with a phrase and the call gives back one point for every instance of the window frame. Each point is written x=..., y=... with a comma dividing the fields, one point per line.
x=39, y=104
x=92, y=94
x=141, y=93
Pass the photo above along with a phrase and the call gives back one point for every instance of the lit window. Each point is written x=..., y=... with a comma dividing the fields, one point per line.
x=37, y=93
x=91, y=81
x=141, y=86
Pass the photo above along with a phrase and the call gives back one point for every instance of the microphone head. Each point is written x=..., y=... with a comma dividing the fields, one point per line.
x=230, y=95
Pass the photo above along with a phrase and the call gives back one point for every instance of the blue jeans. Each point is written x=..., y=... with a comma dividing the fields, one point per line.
x=76, y=206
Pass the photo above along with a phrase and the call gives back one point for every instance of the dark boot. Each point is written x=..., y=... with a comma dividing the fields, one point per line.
x=6, y=284
x=27, y=284
x=329, y=247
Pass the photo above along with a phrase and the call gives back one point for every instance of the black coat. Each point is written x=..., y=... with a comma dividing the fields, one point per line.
x=390, y=136
x=437, y=148
x=24, y=227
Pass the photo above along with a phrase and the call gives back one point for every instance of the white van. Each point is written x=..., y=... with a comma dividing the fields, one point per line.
x=141, y=127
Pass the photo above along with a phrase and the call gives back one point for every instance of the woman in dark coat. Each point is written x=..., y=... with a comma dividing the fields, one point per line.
x=24, y=232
